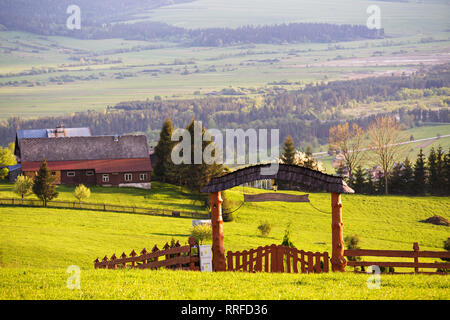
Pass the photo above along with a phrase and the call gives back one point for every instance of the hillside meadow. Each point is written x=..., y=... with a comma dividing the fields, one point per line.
x=39, y=244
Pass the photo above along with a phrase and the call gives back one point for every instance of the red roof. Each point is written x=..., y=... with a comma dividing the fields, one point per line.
x=100, y=166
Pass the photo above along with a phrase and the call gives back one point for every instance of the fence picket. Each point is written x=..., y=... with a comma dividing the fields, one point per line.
x=317, y=267
x=244, y=260
x=295, y=261
x=230, y=261
x=310, y=262
x=99, y=207
x=325, y=262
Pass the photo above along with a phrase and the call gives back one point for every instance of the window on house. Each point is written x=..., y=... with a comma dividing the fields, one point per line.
x=143, y=176
x=53, y=173
x=106, y=178
x=71, y=173
x=128, y=177
x=90, y=173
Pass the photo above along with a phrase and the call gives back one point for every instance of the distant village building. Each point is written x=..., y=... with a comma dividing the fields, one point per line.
x=376, y=172
x=75, y=157
x=339, y=165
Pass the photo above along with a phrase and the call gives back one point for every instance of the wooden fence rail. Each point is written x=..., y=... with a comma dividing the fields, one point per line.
x=415, y=254
x=177, y=257
x=103, y=207
x=278, y=258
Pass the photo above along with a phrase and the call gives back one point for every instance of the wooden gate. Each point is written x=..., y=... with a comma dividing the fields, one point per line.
x=278, y=258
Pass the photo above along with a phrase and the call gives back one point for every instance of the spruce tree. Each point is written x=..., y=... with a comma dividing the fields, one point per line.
x=163, y=169
x=407, y=177
x=370, y=186
x=396, y=185
x=446, y=173
x=288, y=157
x=310, y=162
x=288, y=154
x=195, y=176
x=419, y=174
x=432, y=180
x=440, y=170
x=43, y=186
x=359, y=180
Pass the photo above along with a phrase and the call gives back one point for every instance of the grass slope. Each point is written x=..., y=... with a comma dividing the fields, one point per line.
x=39, y=244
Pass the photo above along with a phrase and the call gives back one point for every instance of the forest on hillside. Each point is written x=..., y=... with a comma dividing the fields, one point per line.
x=103, y=19
x=305, y=114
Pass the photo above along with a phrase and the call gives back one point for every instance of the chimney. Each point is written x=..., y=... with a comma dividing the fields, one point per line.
x=60, y=131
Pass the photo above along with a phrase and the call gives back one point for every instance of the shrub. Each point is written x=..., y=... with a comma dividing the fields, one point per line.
x=4, y=172
x=202, y=232
x=287, y=237
x=265, y=228
x=352, y=242
x=227, y=207
x=23, y=186
x=446, y=247
x=82, y=192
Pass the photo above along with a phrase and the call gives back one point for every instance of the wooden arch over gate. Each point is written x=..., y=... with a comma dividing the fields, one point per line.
x=309, y=180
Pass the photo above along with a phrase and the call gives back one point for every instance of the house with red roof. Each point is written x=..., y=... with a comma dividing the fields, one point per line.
x=122, y=161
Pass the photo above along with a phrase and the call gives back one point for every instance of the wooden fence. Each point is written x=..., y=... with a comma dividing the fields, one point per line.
x=177, y=257
x=103, y=207
x=278, y=258
x=415, y=254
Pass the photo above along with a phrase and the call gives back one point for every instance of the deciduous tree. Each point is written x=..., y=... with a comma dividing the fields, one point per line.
x=82, y=192
x=386, y=136
x=23, y=186
x=349, y=143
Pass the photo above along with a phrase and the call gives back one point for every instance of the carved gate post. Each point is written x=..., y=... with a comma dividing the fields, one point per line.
x=218, y=250
x=338, y=261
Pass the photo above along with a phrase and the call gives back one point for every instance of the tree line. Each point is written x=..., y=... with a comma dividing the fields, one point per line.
x=425, y=175
x=103, y=19
x=306, y=114
x=382, y=146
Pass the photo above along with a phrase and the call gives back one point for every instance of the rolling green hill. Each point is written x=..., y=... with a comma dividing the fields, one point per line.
x=38, y=245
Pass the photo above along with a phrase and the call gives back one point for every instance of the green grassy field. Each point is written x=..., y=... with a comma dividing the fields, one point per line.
x=39, y=244
x=218, y=68
x=397, y=18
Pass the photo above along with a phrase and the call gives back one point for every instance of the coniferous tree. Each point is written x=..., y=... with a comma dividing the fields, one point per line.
x=440, y=165
x=370, y=185
x=287, y=157
x=359, y=180
x=396, y=184
x=43, y=186
x=446, y=172
x=195, y=176
x=432, y=172
x=164, y=169
x=288, y=154
x=407, y=177
x=419, y=174
x=380, y=184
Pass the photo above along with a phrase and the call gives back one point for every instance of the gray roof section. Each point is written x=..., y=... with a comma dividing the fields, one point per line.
x=84, y=148
x=47, y=133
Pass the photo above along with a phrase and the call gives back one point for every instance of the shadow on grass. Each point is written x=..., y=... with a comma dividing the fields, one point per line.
x=171, y=234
